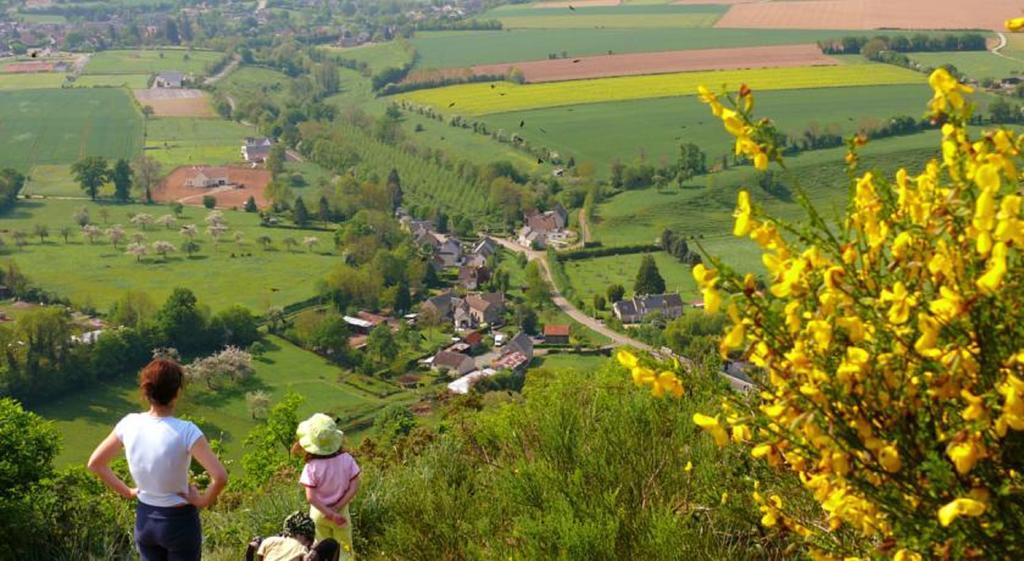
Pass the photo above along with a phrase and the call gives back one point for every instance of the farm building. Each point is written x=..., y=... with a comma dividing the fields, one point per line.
x=556, y=334
x=640, y=308
x=170, y=79
x=256, y=149
x=207, y=177
x=463, y=384
x=447, y=361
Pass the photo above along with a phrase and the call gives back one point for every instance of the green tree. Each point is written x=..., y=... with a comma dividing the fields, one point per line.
x=41, y=231
x=268, y=445
x=300, y=215
x=91, y=173
x=394, y=186
x=648, y=278
x=275, y=159
x=692, y=161
x=30, y=443
x=324, y=210
x=181, y=323
x=132, y=309
x=536, y=286
x=121, y=176
x=235, y=325
x=381, y=344
x=146, y=171
x=250, y=205
x=526, y=319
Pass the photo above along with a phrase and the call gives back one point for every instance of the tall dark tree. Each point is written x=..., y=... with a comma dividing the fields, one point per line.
x=171, y=32
x=323, y=211
x=395, y=188
x=276, y=158
x=181, y=323
x=615, y=292
x=692, y=161
x=648, y=278
x=403, y=300
x=300, y=214
x=11, y=182
x=250, y=205
x=91, y=173
x=121, y=176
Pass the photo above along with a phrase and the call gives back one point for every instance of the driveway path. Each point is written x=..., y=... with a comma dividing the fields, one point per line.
x=228, y=69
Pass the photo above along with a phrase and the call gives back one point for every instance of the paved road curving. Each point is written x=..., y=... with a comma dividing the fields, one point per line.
x=566, y=306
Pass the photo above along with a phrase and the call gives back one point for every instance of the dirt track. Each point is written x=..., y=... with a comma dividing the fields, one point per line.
x=871, y=14
x=245, y=182
x=663, y=62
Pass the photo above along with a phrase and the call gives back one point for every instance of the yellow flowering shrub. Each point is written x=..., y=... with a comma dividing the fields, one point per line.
x=889, y=349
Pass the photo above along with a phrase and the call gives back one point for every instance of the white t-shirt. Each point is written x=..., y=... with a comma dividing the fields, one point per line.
x=159, y=451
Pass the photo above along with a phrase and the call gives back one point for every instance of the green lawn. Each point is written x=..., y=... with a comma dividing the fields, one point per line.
x=30, y=81
x=464, y=143
x=60, y=126
x=562, y=361
x=601, y=132
x=592, y=276
x=977, y=65
x=151, y=61
x=355, y=91
x=180, y=141
x=248, y=81
x=84, y=418
x=131, y=81
x=55, y=181
x=98, y=274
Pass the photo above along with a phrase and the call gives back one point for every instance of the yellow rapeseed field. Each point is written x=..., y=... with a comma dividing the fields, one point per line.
x=500, y=97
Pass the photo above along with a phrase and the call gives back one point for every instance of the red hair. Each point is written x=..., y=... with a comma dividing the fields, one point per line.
x=161, y=380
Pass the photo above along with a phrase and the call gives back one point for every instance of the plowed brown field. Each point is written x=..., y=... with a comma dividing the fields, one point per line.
x=244, y=183
x=663, y=62
x=872, y=14
x=176, y=102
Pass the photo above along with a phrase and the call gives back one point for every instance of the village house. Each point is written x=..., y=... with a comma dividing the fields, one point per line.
x=640, y=308
x=521, y=343
x=207, y=177
x=440, y=306
x=478, y=309
x=516, y=355
x=454, y=363
x=472, y=277
x=169, y=79
x=541, y=228
x=556, y=334
x=256, y=149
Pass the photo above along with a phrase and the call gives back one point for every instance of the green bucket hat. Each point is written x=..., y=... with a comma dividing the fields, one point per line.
x=319, y=435
x=299, y=524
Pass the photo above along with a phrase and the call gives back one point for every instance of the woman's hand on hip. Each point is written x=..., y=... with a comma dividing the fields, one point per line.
x=195, y=498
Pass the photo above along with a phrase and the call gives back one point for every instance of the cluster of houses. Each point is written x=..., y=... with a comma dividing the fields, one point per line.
x=447, y=252
x=256, y=149
x=515, y=355
x=543, y=229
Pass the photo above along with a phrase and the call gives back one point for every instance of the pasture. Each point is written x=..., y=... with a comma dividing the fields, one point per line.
x=96, y=274
x=26, y=81
x=183, y=141
x=248, y=82
x=593, y=276
x=59, y=126
x=455, y=49
x=130, y=81
x=151, y=61
x=175, y=102
x=977, y=65
x=623, y=16
x=601, y=132
x=463, y=143
x=377, y=56
x=85, y=417
x=55, y=181
x=485, y=98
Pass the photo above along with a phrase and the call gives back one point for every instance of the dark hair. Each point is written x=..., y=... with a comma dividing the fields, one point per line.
x=161, y=380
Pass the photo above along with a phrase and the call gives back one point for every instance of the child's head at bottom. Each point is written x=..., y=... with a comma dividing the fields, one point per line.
x=299, y=526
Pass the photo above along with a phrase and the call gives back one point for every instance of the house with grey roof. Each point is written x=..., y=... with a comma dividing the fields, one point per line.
x=169, y=79
x=642, y=308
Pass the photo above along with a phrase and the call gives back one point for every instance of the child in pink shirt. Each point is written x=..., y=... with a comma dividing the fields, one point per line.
x=331, y=479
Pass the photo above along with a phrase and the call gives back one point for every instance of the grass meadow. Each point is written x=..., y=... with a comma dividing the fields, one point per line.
x=481, y=98
x=623, y=16
x=30, y=81
x=978, y=65
x=377, y=56
x=97, y=274
x=625, y=130
x=84, y=418
x=151, y=61
x=245, y=81
x=464, y=143
x=130, y=81
x=56, y=181
x=183, y=141
x=59, y=126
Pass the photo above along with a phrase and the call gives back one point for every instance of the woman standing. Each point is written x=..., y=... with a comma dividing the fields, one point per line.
x=159, y=449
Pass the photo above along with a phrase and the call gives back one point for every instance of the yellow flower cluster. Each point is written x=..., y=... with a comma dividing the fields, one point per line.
x=891, y=345
x=662, y=383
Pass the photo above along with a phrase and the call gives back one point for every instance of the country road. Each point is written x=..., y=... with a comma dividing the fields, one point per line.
x=228, y=69
x=566, y=306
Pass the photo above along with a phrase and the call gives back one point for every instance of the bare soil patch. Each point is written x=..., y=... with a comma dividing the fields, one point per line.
x=243, y=182
x=577, y=4
x=663, y=62
x=871, y=14
x=723, y=2
x=167, y=102
x=28, y=67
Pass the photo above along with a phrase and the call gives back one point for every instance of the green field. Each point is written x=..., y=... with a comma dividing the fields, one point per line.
x=704, y=210
x=376, y=56
x=55, y=181
x=62, y=125
x=42, y=18
x=453, y=49
x=601, y=132
x=30, y=81
x=355, y=91
x=978, y=65
x=464, y=143
x=248, y=81
x=86, y=417
x=97, y=274
x=626, y=16
x=131, y=81
x=484, y=98
x=181, y=141
x=562, y=361
x=151, y=61
x=592, y=276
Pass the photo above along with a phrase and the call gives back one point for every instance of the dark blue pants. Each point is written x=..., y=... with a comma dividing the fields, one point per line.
x=168, y=533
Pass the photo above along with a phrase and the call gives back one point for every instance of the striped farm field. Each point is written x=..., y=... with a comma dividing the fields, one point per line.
x=500, y=97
